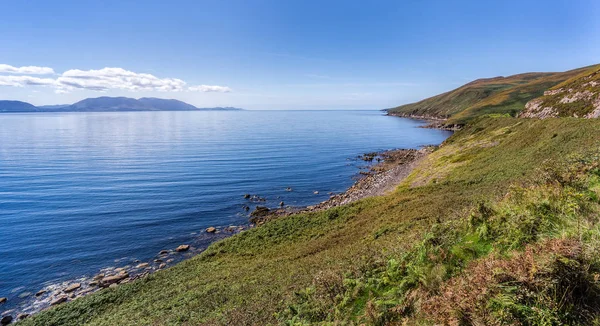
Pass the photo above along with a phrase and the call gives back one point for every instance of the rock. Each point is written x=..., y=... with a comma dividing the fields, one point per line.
x=3, y=300
x=170, y=261
x=93, y=283
x=40, y=292
x=72, y=287
x=163, y=265
x=59, y=300
x=6, y=320
x=211, y=230
x=247, y=196
x=143, y=265
x=183, y=248
x=163, y=252
x=260, y=211
x=113, y=279
x=315, y=192
x=288, y=189
x=98, y=277
x=158, y=260
x=22, y=316
x=112, y=286
x=120, y=269
x=282, y=204
x=246, y=208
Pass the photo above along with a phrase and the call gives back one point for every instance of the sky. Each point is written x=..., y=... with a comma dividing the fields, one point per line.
x=283, y=54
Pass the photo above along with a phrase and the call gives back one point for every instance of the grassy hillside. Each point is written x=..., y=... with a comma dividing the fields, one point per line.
x=576, y=97
x=497, y=226
x=500, y=95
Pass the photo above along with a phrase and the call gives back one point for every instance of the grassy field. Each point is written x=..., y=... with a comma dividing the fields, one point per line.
x=500, y=95
x=497, y=226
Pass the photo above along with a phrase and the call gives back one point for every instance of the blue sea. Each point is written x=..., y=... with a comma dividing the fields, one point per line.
x=80, y=192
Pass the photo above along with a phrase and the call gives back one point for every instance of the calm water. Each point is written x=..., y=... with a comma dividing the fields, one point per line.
x=83, y=191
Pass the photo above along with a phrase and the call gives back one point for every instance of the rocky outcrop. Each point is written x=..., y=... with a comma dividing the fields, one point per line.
x=578, y=97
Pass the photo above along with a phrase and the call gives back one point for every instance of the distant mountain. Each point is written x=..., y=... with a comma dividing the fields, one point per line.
x=165, y=105
x=108, y=104
x=17, y=106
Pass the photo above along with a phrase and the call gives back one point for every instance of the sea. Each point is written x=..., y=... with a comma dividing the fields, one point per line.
x=82, y=192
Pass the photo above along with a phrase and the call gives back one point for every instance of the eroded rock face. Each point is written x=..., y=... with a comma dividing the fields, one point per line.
x=579, y=97
x=535, y=109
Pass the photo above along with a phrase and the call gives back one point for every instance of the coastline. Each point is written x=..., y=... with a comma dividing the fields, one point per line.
x=432, y=122
x=384, y=171
x=382, y=177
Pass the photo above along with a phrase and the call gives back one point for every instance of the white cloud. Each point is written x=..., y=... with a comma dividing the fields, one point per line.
x=101, y=80
x=28, y=70
x=21, y=81
x=209, y=88
x=117, y=78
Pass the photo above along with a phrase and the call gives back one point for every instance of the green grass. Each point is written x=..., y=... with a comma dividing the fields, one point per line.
x=377, y=260
x=500, y=95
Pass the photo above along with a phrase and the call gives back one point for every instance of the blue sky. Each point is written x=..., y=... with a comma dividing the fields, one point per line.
x=284, y=54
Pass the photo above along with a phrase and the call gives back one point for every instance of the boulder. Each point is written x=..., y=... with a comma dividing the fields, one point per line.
x=6, y=320
x=3, y=300
x=22, y=316
x=163, y=252
x=183, y=248
x=211, y=230
x=59, y=300
x=113, y=286
x=113, y=279
x=260, y=211
x=72, y=287
x=163, y=265
x=281, y=204
x=247, y=196
x=143, y=265
x=98, y=277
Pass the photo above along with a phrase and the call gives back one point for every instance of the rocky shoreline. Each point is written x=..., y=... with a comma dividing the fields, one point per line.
x=432, y=122
x=391, y=168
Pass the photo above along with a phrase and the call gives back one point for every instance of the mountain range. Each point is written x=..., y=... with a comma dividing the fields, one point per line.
x=108, y=104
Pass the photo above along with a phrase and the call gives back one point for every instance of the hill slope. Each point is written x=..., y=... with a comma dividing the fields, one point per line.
x=500, y=95
x=576, y=97
x=482, y=232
